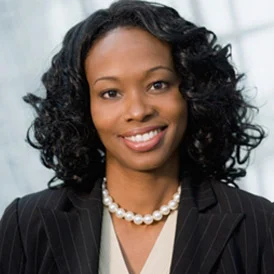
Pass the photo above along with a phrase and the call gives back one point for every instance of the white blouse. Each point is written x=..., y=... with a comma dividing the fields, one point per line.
x=111, y=259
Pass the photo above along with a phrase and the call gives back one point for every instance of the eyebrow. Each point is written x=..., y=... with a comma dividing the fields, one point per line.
x=113, y=78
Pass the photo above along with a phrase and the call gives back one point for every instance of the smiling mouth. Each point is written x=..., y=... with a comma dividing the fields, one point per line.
x=138, y=138
x=145, y=141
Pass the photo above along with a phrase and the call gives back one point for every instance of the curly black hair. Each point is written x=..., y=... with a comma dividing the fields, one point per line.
x=219, y=136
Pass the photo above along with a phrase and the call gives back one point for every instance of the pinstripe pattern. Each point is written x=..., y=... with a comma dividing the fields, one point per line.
x=219, y=230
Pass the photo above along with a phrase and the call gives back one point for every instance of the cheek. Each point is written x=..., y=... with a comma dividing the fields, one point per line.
x=178, y=110
x=183, y=112
x=180, y=118
x=103, y=120
x=97, y=116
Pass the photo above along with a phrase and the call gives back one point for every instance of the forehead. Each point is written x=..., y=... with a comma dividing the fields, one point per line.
x=129, y=48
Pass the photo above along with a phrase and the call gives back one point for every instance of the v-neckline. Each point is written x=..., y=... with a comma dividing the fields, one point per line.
x=156, y=251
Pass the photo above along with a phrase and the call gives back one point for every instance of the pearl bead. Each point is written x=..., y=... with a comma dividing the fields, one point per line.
x=148, y=219
x=176, y=197
x=107, y=200
x=120, y=213
x=172, y=204
x=138, y=219
x=129, y=216
x=105, y=192
x=157, y=215
x=113, y=207
x=164, y=210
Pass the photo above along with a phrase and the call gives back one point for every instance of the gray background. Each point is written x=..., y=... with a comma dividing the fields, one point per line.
x=31, y=32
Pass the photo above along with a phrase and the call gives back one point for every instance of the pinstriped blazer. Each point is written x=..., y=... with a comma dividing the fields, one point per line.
x=220, y=229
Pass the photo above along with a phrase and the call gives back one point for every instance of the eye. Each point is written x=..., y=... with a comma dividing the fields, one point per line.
x=159, y=85
x=110, y=94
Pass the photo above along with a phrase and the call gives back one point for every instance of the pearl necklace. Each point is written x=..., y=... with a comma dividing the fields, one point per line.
x=138, y=219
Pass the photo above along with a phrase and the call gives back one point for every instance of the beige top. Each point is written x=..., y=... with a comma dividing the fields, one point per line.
x=159, y=260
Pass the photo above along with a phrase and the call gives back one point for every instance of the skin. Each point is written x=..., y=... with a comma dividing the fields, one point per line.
x=133, y=88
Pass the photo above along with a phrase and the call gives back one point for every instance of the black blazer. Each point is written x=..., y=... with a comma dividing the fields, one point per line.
x=220, y=229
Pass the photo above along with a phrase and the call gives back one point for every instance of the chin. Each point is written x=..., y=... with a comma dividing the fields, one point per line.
x=148, y=165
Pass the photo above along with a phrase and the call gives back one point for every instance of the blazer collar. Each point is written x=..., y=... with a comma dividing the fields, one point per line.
x=74, y=236
x=201, y=231
x=201, y=234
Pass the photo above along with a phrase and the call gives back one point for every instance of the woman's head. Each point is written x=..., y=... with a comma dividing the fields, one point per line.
x=136, y=105
x=218, y=125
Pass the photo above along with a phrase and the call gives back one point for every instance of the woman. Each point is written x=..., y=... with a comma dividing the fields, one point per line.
x=146, y=128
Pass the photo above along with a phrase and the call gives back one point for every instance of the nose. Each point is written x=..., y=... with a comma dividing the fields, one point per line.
x=138, y=107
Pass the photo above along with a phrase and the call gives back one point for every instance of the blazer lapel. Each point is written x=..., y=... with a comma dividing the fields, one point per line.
x=200, y=236
x=74, y=236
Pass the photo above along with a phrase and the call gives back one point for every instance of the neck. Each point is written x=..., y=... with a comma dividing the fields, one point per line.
x=141, y=192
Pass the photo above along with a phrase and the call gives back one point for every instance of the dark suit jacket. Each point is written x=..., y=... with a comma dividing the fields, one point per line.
x=220, y=229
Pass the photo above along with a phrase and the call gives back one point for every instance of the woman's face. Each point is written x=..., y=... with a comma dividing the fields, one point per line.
x=136, y=105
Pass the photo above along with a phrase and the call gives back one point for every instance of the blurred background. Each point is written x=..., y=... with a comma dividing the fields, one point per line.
x=31, y=32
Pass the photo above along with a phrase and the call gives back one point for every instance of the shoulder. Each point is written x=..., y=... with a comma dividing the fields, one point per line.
x=48, y=198
x=256, y=209
x=237, y=200
x=255, y=232
x=24, y=212
x=22, y=230
x=22, y=224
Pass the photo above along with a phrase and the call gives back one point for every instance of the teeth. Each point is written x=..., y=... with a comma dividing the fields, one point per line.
x=146, y=136
x=143, y=137
x=138, y=138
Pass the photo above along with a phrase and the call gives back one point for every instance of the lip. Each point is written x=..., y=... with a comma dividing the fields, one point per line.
x=147, y=145
x=142, y=130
